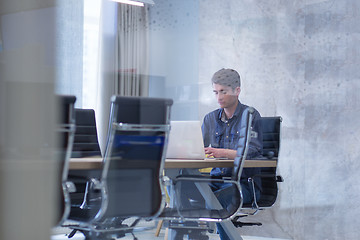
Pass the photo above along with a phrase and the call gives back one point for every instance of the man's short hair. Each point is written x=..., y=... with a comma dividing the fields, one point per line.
x=227, y=77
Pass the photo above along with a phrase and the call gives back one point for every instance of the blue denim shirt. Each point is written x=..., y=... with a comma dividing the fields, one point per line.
x=219, y=134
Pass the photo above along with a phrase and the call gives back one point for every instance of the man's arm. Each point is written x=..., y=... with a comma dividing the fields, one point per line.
x=220, y=153
x=205, y=128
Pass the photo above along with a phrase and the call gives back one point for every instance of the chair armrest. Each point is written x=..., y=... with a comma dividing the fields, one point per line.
x=95, y=184
x=279, y=178
x=70, y=187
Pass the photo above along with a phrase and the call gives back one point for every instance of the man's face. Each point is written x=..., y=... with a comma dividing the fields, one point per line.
x=226, y=96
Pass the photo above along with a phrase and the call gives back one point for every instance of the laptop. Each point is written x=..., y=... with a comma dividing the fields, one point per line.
x=185, y=140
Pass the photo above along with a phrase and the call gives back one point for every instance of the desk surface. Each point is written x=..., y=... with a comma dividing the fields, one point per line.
x=95, y=163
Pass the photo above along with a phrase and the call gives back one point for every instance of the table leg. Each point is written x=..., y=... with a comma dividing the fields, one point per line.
x=213, y=203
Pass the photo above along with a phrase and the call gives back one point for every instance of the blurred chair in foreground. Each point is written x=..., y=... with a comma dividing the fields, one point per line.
x=86, y=144
x=65, y=133
x=130, y=184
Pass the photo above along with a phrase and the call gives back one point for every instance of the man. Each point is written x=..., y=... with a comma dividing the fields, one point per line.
x=220, y=132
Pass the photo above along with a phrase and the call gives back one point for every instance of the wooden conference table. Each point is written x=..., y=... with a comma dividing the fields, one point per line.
x=96, y=163
x=173, y=165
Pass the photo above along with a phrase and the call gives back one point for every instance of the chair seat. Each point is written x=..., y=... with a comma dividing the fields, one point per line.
x=264, y=202
x=85, y=214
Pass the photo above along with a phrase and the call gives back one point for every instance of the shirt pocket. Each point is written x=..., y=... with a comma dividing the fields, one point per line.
x=234, y=138
x=218, y=138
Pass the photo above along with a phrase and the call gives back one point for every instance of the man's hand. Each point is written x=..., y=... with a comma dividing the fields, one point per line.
x=220, y=152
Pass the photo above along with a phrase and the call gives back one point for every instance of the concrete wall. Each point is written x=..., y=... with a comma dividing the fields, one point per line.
x=299, y=60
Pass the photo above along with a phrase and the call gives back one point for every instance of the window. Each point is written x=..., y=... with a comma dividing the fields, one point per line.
x=90, y=52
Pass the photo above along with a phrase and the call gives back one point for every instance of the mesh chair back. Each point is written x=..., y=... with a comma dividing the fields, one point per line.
x=134, y=156
x=271, y=136
x=271, y=147
x=140, y=110
x=86, y=142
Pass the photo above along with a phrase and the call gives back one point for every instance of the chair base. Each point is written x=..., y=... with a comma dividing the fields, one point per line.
x=90, y=235
x=110, y=229
x=191, y=229
x=243, y=224
x=197, y=234
x=101, y=236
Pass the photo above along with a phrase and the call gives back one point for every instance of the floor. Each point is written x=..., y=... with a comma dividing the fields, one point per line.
x=61, y=234
x=150, y=236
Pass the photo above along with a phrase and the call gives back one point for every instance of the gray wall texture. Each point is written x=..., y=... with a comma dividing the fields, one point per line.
x=299, y=60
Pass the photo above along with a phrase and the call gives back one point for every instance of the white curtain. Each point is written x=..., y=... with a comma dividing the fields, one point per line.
x=106, y=68
x=132, y=51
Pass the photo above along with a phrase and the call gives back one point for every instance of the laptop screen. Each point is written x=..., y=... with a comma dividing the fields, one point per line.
x=185, y=140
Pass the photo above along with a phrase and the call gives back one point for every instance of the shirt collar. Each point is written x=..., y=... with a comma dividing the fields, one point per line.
x=222, y=116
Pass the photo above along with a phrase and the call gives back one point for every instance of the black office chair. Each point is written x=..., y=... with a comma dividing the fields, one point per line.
x=131, y=179
x=197, y=203
x=86, y=142
x=269, y=179
x=65, y=133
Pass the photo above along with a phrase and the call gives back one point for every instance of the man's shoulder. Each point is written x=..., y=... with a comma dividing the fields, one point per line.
x=244, y=106
x=214, y=113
